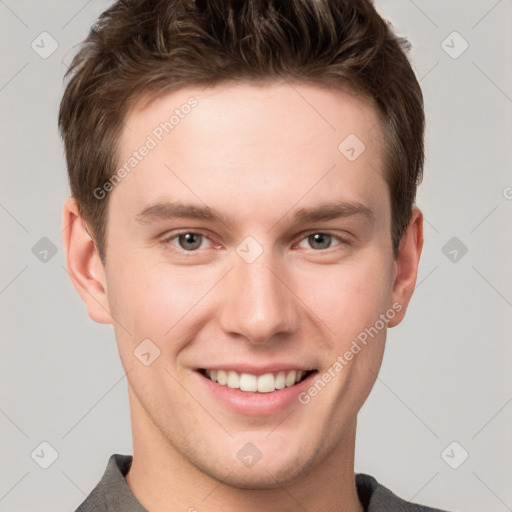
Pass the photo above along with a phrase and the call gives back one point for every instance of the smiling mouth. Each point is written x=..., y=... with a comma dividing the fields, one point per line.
x=266, y=383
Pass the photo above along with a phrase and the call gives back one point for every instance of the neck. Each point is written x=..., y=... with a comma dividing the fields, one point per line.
x=163, y=480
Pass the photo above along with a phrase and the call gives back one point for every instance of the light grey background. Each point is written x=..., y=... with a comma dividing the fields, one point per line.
x=447, y=370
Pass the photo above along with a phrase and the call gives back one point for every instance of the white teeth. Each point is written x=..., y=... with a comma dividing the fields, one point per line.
x=266, y=383
x=290, y=378
x=222, y=377
x=251, y=383
x=248, y=382
x=233, y=380
x=280, y=382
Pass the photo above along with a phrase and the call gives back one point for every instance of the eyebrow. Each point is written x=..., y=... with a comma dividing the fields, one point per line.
x=328, y=211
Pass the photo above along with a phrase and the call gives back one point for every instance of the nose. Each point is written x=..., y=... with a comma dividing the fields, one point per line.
x=257, y=303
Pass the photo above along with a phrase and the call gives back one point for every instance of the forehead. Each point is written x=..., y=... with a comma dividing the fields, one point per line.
x=249, y=106
x=246, y=146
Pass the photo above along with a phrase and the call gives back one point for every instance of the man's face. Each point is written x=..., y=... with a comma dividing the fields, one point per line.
x=264, y=289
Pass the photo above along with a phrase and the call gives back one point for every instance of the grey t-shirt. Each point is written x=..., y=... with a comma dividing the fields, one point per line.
x=112, y=493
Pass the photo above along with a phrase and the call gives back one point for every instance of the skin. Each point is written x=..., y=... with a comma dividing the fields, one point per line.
x=257, y=154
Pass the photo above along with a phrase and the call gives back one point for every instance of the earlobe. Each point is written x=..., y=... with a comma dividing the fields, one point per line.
x=407, y=262
x=83, y=263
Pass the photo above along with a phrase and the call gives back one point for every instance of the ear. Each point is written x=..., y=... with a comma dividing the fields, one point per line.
x=406, y=265
x=83, y=263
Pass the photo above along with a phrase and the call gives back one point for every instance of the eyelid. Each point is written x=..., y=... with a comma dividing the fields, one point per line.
x=340, y=239
x=166, y=239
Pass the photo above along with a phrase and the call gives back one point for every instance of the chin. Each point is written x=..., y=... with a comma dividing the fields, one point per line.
x=273, y=470
x=261, y=476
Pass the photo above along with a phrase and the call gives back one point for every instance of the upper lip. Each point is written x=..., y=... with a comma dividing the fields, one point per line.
x=257, y=370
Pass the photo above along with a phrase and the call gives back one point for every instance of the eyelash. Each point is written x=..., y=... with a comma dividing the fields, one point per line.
x=167, y=241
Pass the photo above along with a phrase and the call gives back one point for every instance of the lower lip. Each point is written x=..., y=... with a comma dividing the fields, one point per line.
x=256, y=404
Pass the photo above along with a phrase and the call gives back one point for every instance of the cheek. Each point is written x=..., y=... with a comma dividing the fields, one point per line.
x=347, y=298
x=155, y=301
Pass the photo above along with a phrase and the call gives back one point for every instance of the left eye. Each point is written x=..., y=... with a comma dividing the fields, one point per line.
x=189, y=241
x=319, y=241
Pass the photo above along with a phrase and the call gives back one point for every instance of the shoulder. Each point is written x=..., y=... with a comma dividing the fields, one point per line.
x=112, y=493
x=377, y=498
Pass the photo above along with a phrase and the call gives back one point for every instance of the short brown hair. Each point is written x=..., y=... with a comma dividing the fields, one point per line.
x=153, y=46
